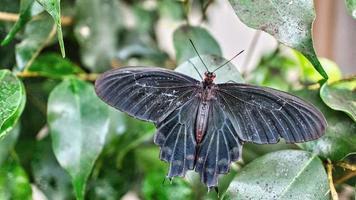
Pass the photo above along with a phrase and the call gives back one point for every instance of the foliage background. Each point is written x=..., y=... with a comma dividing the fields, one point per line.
x=59, y=141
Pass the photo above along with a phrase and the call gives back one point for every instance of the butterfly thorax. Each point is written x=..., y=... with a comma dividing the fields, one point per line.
x=208, y=79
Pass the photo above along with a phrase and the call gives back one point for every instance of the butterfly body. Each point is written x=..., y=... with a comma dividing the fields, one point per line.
x=201, y=125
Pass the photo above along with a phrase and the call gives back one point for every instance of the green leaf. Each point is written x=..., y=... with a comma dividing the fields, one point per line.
x=54, y=9
x=12, y=101
x=97, y=33
x=341, y=96
x=79, y=123
x=7, y=143
x=281, y=175
x=203, y=41
x=309, y=75
x=137, y=132
x=38, y=32
x=290, y=22
x=24, y=17
x=225, y=74
x=14, y=183
x=351, y=7
x=339, y=139
x=54, y=66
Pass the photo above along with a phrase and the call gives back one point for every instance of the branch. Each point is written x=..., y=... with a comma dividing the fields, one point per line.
x=329, y=169
x=83, y=76
x=13, y=17
x=346, y=165
x=345, y=178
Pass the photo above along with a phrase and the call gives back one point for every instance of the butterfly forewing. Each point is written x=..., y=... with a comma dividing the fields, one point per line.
x=145, y=93
x=263, y=115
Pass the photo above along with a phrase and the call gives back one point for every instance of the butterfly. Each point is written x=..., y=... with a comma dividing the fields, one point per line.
x=201, y=125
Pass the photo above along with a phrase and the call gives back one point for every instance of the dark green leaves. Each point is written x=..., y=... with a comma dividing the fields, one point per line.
x=53, y=66
x=290, y=22
x=96, y=30
x=12, y=100
x=14, y=183
x=38, y=32
x=54, y=9
x=78, y=123
x=288, y=174
x=341, y=96
x=204, y=42
x=351, y=7
x=24, y=17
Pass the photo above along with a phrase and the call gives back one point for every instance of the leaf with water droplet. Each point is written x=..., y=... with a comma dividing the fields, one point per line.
x=281, y=175
x=78, y=122
x=202, y=39
x=12, y=101
x=290, y=22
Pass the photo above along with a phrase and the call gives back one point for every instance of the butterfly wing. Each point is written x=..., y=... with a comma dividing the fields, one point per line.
x=220, y=146
x=262, y=115
x=175, y=136
x=145, y=93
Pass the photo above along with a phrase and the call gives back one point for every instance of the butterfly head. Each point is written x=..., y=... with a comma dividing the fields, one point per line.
x=209, y=77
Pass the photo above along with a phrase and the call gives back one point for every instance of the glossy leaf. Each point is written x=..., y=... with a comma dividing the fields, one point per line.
x=339, y=139
x=309, y=75
x=341, y=96
x=227, y=73
x=53, y=66
x=34, y=40
x=79, y=123
x=54, y=9
x=290, y=22
x=97, y=33
x=7, y=143
x=24, y=17
x=351, y=7
x=14, y=183
x=202, y=39
x=12, y=101
x=281, y=175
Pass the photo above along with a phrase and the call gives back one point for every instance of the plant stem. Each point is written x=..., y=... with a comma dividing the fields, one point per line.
x=13, y=17
x=329, y=169
x=349, y=175
x=346, y=165
x=83, y=76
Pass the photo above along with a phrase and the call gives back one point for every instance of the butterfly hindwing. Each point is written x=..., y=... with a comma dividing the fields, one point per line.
x=263, y=115
x=145, y=93
x=175, y=136
x=219, y=148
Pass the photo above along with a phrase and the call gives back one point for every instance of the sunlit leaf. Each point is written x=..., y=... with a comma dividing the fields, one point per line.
x=14, y=183
x=228, y=73
x=7, y=143
x=339, y=139
x=309, y=75
x=79, y=123
x=97, y=33
x=202, y=39
x=53, y=66
x=290, y=22
x=54, y=9
x=281, y=175
x=38, y=33
x=24, y=17
x=351, y=7
x=12, y=101
x=341, y=96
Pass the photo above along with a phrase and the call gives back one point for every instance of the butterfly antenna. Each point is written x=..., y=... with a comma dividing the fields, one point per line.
x=228, y=60
x=196, y=51
x=196, y=69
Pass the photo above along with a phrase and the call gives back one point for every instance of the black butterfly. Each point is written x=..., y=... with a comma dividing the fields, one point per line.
x=202, y=126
